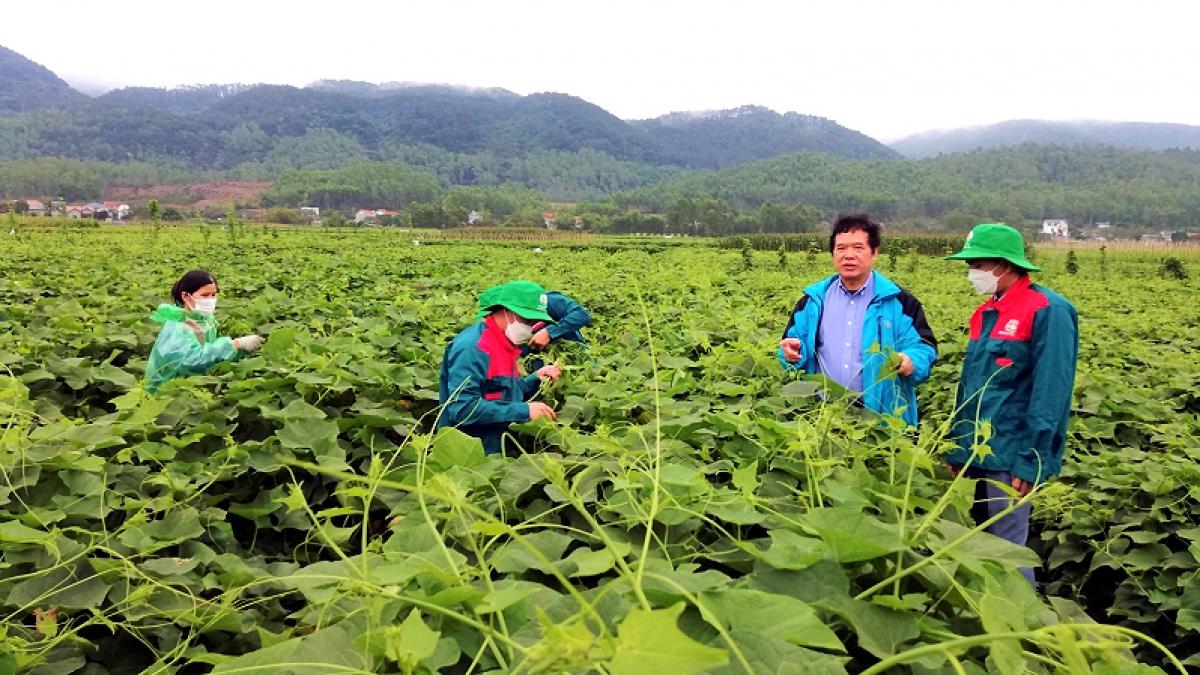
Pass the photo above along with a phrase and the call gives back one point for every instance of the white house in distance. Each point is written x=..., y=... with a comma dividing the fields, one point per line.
x=369, y=215
x=118, y=211
x=1056, y=228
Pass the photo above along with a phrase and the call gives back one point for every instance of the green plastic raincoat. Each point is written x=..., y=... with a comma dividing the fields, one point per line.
x=188, y=344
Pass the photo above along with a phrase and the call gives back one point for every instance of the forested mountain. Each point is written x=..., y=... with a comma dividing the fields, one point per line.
x=1018, y=184
x=25, y=85
x=220, y=127
x=344, y=144
x=723, y=138
x=1142, y=135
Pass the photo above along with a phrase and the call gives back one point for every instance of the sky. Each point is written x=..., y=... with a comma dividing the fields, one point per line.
x=885, y=68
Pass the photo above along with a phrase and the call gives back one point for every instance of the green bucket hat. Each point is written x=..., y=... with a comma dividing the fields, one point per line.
x=995, y=240
x=525, y=298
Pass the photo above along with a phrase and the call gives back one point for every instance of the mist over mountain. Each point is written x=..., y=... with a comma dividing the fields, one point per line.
x=371, y=89
x=1141, y=135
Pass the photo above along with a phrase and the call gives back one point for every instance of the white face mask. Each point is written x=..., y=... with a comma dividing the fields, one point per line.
x=206, y=306
x=518, y=333
x=984, y=281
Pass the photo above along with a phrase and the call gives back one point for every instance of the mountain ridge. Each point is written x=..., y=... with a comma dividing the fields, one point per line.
x=1139, y=135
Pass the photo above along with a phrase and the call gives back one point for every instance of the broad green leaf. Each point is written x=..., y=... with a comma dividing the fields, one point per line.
x=853, y=535
x=735, y=509
x=452, y=448
x=169, y=566
x=13, y=532
x=881, y=631
x=77, y=587
x=279, y=342
x=307, y=433
x=980, y=548
x=298, y=409
x=173, y=528
x=791, y=551
x=772, y=656
x=114, y=375
x=503, y=598
x=410, y=642
x=649, y=642
x=326, y=651
x=773, y=616
x=1188, y=619
x=584, y=562
x=745, y=478
x=800, y=389
x=516, y=557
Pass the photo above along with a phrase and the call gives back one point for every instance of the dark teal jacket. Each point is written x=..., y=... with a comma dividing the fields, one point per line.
x=480, y=389
x=1017, y=376
x=569, y=317
x=895, y=321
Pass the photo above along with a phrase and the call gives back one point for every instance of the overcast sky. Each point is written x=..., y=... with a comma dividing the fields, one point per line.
x=886, y=68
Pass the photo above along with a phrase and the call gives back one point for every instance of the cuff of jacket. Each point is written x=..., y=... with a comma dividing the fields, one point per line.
x=1028, y=467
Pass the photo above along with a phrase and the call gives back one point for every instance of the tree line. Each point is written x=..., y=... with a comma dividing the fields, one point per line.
x=1019, y=185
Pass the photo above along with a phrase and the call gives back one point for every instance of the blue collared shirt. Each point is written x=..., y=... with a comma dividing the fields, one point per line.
x=839, y=355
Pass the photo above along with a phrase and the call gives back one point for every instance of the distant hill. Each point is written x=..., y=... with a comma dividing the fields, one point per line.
x=723, y=138
x=26, y=86
x=193, y=98
x=371, y=89
x=222, y=126
x=1141, y=135
x=1021, y=184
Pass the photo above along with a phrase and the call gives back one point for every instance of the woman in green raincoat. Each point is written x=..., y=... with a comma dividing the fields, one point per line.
x=188, y=343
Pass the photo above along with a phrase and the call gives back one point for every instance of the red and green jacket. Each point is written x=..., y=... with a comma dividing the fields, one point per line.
x=1017, y=376
x=481, y=389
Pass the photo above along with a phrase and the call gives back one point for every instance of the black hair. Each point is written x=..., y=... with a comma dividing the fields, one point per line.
x=190, y=283
x=848, y=222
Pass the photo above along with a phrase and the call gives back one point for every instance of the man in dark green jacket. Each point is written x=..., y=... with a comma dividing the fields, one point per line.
x=481, y=389
x=1014, y=396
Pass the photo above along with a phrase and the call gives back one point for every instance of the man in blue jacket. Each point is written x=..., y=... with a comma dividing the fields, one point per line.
x=859, y=328
x=481, y=389
x=1014, y=397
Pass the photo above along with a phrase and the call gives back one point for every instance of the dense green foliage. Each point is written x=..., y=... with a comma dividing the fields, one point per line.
x=1141, y=190
x=73, y=180
x=363, y=184
x=692, y=509
x=1015, y=185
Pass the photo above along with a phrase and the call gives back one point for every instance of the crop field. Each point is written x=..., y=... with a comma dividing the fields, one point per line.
x=693, y=509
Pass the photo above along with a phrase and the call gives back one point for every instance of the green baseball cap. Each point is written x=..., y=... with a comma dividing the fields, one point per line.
x=995, y=240
x=525, y=298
